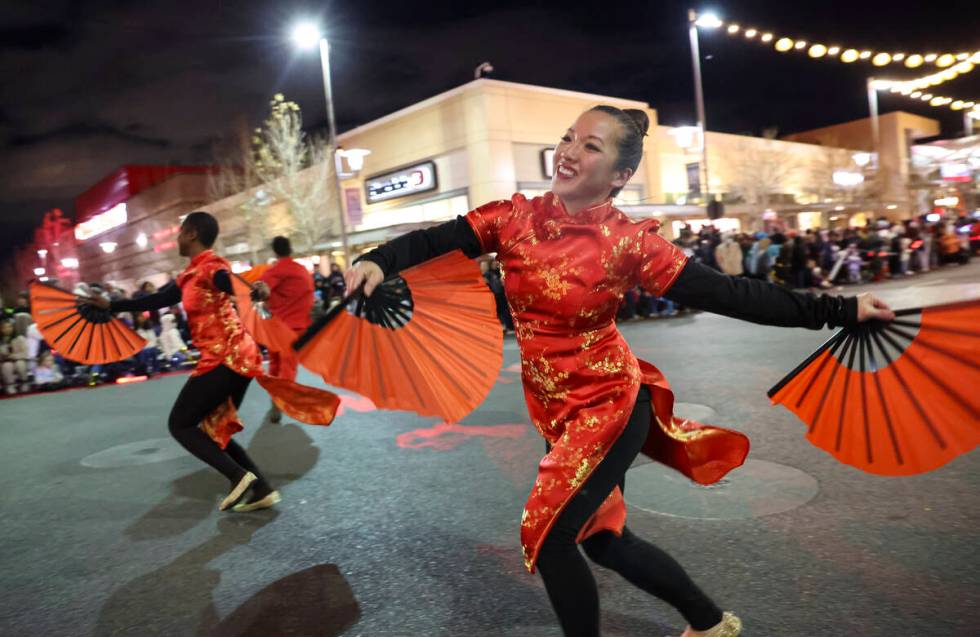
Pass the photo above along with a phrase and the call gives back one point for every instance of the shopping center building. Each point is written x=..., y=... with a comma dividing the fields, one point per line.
x=487, y=139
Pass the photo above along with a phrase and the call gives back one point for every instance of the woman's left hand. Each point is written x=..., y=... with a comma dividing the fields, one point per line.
x=871, y=307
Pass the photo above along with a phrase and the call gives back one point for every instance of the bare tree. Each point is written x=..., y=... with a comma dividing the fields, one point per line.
x=278, y=163
x=294, y=170
x=760, y=171
x=236, y=176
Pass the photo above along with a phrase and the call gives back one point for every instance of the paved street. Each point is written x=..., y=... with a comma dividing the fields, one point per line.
x=397, y=525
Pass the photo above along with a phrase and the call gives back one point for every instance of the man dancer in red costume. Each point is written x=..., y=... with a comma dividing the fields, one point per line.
x=204, y=416
x=288, y=290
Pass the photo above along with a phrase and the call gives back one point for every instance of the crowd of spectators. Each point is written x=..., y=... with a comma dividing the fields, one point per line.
x=813, y=259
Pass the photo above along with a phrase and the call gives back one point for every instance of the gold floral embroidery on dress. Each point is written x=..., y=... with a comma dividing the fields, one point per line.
x=555, y=284
x=552, y=229
x=612, y=363
x=542, y=489
x=588, y=423
x=580, y=474
x=522, y=330
x=546, y=380
x=531, y=519
x=605, y=230
x=590, y=338
x=678, y=431
x=613, y=261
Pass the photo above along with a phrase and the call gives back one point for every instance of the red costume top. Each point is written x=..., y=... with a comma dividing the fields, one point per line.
x=564, y=276
x=291, y=293
x=216, y=330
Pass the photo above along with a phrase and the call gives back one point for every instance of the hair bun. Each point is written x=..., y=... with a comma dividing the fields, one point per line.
x=639, y=118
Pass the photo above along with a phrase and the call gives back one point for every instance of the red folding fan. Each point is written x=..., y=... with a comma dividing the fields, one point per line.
x=79, y=331
x=265, y=329
x=426, y=341
x=893, y=398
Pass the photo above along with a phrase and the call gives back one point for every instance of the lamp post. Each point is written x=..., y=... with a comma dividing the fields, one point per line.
x=306, y=35
x=706, y=21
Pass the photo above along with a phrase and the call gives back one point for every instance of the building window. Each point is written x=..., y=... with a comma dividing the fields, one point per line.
x=694, y=178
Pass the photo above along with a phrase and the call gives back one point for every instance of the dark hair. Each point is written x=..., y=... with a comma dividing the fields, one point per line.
x=633, y=124
x=281, y=246
x=205, y=225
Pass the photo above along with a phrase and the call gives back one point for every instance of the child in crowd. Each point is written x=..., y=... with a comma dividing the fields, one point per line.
x=47, y=375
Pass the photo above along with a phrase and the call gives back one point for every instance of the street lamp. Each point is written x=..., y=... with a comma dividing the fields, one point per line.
x=704, y=21
x=306, y=35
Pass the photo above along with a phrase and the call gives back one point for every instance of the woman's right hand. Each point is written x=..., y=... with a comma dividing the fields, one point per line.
x=366, y=272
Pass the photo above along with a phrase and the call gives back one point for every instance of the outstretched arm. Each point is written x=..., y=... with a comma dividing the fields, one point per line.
x=167, y=296
x=411, y=249
x=757, y=301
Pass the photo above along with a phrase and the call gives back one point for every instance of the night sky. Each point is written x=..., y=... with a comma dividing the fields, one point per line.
x=90, y=86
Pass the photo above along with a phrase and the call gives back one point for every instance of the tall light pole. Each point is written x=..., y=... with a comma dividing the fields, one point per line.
x=707, y=21
x=306, y=35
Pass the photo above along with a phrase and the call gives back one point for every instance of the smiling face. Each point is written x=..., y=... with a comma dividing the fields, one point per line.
x=585, y=162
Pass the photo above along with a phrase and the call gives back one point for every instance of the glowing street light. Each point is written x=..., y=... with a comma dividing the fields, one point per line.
x=355, y=157
x=708, y=21
x=306, y=35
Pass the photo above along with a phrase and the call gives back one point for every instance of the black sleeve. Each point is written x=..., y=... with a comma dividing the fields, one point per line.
x=222, y=281
x=758, y=301
x=421, y=245
x=167, y=296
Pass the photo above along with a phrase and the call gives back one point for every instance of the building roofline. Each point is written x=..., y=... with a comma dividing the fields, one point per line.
x=489, y=83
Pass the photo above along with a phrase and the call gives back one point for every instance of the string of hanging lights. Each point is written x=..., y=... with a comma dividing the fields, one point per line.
x=952, y=65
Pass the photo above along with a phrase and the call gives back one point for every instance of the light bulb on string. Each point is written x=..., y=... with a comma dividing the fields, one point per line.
x=881, y=59
x=945, y=60
x=898, y=57
x=834, y=50
x=767, y=37
x=913, y=61
x=817, y=51
x=865, y=55
x=733, y=28
x=931, y=57
x=849, y=56
x=799, y=44
x=784, y=44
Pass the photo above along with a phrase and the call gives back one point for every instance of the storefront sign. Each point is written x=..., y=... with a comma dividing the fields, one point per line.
x=401, y=183
x=355, y=214
x=111, y=218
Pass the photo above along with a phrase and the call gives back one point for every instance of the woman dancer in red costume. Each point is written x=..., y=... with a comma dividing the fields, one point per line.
x=568, y=258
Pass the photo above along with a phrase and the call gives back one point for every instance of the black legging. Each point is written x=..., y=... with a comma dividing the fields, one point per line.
x=199, y=397
x=565, y=572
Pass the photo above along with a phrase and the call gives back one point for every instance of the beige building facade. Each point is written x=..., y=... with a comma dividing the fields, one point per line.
x=488, y=139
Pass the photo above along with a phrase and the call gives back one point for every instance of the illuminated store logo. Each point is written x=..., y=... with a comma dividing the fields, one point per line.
x=111, y=218
x=401, y=183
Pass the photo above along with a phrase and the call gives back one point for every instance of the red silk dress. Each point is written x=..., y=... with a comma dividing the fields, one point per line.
x=564, y=277
x=218, y=334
